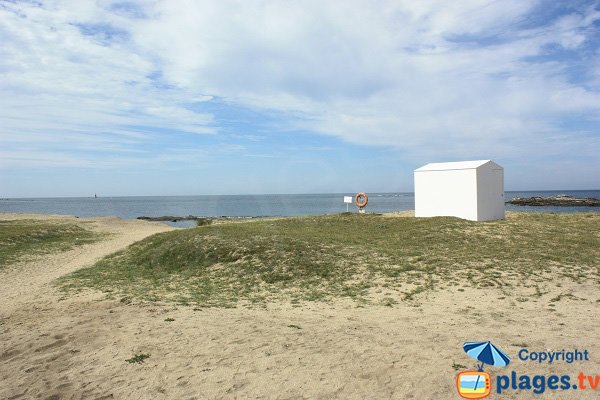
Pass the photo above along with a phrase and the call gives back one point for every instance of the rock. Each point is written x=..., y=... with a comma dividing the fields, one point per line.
x=560, y=201
x=199, y=220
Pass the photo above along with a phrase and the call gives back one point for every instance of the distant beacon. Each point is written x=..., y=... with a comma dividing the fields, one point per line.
x=472, y=190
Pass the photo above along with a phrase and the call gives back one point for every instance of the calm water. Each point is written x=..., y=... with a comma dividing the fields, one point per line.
x=244, y=205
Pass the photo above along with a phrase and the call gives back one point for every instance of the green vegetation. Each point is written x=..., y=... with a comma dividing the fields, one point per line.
x=22, y=238
x=456, y=366
x=348, y=255
x=138, y=358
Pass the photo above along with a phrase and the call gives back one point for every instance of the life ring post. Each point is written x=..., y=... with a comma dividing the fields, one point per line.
x=361, y=200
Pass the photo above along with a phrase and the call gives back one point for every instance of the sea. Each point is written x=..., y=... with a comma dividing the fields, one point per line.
x=248, y=205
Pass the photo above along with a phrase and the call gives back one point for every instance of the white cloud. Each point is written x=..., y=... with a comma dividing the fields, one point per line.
x=407, y=74
x=434, y=78
x=57, y=80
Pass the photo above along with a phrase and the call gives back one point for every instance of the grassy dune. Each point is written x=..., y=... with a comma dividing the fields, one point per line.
x=370, y=258
x=23, y=238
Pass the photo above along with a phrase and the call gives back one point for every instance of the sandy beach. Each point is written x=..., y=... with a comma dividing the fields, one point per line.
x=299, y=200
x=54, y=346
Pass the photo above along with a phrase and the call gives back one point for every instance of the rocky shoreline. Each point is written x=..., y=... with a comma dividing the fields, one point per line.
x=560, y=201
x=199, y=220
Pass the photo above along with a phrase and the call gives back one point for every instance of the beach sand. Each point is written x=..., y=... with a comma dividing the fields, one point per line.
x=75, y=347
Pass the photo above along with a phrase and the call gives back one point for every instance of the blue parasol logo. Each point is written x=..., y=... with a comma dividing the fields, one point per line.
x=487, y=353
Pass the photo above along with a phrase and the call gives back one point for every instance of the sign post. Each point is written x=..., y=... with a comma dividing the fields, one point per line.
x=347, y=200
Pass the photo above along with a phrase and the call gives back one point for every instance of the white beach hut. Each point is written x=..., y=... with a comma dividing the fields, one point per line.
x=471, y=190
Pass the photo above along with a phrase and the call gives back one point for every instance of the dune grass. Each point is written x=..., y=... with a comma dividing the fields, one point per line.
x=23, y=238
x=347, y=255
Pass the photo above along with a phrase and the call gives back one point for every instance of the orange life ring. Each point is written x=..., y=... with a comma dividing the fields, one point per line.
x=364, y=202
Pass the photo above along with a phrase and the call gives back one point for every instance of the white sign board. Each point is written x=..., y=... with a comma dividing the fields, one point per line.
x=347, y=199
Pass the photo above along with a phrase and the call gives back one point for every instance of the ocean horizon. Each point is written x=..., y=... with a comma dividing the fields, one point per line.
x=264, y=205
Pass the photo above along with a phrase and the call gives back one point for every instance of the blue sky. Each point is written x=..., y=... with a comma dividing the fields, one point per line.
x=224, y=97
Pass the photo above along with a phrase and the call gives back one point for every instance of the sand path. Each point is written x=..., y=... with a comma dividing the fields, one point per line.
x=27, y=281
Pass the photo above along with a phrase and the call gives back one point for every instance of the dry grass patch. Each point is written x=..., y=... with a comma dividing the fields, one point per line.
x=20, y=239
x=349, y=255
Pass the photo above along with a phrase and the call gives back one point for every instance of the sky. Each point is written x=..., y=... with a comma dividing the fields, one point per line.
x=175, y=97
